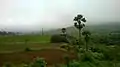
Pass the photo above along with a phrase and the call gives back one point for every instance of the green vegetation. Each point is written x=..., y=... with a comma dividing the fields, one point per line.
x=58, y=39
x=23, y=38
x=21, y=42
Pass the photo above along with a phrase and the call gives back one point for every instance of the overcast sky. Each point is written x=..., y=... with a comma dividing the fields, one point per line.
x=32, y=15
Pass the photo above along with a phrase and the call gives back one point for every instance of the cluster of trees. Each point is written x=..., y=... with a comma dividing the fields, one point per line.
x=8, y=33
x=108, y=39
x=97, y=55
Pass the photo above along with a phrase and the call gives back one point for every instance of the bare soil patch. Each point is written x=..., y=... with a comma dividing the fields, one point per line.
x=52, y=56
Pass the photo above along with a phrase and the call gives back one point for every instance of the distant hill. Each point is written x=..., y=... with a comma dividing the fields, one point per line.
x=104, y=28
x=101, y=28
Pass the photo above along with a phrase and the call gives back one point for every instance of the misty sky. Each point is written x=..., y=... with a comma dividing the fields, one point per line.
x=32, y=15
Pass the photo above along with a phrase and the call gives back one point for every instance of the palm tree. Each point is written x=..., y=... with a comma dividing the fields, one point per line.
x=86, y=35
x=78, y=24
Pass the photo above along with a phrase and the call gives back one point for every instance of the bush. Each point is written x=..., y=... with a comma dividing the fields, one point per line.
x=28, y=49
x=98, y=56
x=86, y=57
x=82, y=50
x=75, y=64
x=95, y=50
x=112, y=54
x=39, y=62
x=67, y=59
x=63, y=46
x=8, y=65
x=58, y=39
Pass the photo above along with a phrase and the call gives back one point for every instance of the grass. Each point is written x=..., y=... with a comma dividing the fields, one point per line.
x=21, y=47
x=23, y=38
x=18, y=43
x=8, y=48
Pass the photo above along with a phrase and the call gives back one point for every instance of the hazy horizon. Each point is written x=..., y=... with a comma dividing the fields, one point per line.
x=33, y=15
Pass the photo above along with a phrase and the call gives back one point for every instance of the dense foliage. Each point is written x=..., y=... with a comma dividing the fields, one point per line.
x=58, y=39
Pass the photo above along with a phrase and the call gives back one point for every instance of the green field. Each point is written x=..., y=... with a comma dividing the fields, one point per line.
x=23, y=38
x=18, y=43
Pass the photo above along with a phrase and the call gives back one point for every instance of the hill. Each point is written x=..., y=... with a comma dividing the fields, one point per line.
x=100, y=29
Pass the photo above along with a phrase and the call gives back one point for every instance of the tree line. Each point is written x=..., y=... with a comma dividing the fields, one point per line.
x=8, y=33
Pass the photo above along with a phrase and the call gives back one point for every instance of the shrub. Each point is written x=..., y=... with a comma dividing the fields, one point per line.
x=8, y=65
x=75, y=64
x=58, y=39
x=67, y=59
x=24, y=65
x=39, y=62
x=98, y=56
x=95, y=49
x=63, y=46
x=82, y=50
x=28, y=49
x=112, y=54
x=88, y=57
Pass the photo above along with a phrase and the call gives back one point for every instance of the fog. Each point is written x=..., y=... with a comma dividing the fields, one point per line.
x=32, y=15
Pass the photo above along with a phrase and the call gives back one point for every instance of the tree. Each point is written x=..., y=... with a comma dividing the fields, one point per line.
x=78, y=24
x=63, y=32
x=58, y=39
x=86, y=35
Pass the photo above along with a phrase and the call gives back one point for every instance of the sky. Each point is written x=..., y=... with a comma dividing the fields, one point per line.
x=32, y=15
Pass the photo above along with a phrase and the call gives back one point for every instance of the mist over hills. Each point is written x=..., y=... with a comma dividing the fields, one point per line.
x=101, y=28
x=97, y=28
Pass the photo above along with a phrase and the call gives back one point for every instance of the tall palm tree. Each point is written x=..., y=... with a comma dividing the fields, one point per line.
x=86, y=35
x=78, y=24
